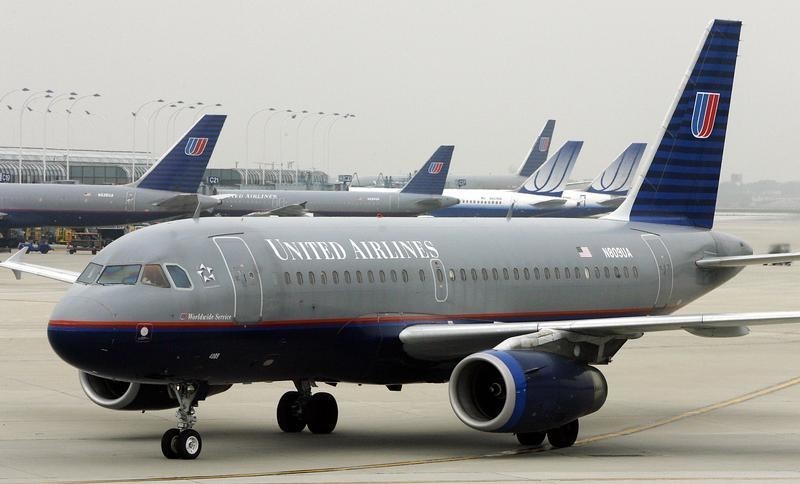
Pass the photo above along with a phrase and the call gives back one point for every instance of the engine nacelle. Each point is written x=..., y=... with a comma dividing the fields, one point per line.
x=124, y=395
x=524, y=391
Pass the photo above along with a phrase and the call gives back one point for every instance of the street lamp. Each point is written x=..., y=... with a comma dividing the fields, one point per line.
x=28, y=100
x=60, y=97
x=304, y=115
x=134, y=115
x=280, y=141
x=328, y=162
x=153, y=118
x=247, y=136
x=314, y=134
x=24, y=89
x=205, y=108
x=70, y=110
x=173, y=118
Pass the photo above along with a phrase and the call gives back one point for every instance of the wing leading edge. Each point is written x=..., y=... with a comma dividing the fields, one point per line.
x=15, y=264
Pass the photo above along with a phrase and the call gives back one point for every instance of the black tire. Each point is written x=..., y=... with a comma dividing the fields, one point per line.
x=290, y=416
x=189, y=444
x=323, y=413
x=71, y=251
x=531, y=438
x=45, y=250
x=169, y=443
x=563, y=436
x=94, y=252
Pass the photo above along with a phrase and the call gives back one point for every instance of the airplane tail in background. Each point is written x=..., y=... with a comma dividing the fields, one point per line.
x=551, y=178
x=678, y=184
x=181, y=168
x=616, y=179
x=430, y=178
x=539, y=150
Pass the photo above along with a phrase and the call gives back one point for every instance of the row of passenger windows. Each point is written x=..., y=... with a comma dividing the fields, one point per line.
x=475, y=274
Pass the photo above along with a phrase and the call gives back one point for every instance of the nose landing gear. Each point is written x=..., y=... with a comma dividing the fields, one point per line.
x=299, y=409
x=183, y=442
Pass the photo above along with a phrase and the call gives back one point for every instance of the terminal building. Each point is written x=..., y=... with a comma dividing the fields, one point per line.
x=102, y=167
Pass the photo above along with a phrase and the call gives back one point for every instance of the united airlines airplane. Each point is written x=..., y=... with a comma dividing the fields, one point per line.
x=516, y=314
x=168, y=189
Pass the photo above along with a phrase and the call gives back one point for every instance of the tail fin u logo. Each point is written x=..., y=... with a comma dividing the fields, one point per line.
x=544, y=143
x=704, y=114
x=435, y=167
x=195, y=146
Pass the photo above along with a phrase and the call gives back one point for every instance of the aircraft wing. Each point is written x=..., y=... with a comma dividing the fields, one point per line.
x=293, y=210
x=612, y=202
x=554, y=203
x=3, y=215
x=449, y=341
x=747, y=260
x=15, y=264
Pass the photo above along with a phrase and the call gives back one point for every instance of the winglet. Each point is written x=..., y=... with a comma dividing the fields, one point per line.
x=430, y=179
x=616, y=179
x=181, y=169
x=551, y=178
x=539, y=150
x=678, y=183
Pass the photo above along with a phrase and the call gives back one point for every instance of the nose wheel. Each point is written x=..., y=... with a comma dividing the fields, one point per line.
x=183, y=442
x=300, y=409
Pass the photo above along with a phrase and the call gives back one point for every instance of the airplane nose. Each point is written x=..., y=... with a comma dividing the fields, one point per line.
x=81, y=331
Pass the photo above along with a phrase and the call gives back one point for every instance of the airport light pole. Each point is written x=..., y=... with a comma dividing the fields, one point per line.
x=38, y=94
x=134, y=115
x=266, y=125
x=247, y=134
x=173, y=118
x=328, y=151
x=70, y=110
x=280, y=141
x=205, y=108
x=153, y=118
x=314, y=134
x=60, y=97
x=305, y=115
x=4, y=96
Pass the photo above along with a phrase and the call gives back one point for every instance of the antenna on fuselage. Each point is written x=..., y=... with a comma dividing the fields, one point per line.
x=510, y=211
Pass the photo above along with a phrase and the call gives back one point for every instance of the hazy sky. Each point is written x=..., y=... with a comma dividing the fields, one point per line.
x=481, y=75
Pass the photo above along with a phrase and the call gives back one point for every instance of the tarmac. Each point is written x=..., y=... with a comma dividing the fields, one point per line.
x=680, y=408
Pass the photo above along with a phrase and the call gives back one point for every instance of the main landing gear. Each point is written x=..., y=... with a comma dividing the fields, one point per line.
x=183, y=442
x=300, y=408
x=564, y=436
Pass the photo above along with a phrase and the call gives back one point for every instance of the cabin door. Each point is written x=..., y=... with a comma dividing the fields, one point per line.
x=663, y=266
x=439, y=280
x=246, y=280
x=130, y=201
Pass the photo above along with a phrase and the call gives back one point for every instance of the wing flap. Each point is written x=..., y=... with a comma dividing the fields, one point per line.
x=15, y=264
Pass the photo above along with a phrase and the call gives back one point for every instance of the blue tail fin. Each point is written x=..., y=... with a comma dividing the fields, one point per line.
x=616, y=179
x=539, y=150
x=551, y=178
x=679, y=184
x=431, y=177
x=182, y=168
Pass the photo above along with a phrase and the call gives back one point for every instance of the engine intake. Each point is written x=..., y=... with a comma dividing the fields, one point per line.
x=524, y=391
x=124, y=395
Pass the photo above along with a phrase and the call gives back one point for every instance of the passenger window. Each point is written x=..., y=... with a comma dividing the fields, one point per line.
x=485, y=274
x=527, y=274
x=626, y=272
x=616, y=272
x=596, y=272
x=451, y=274
x=310, y=277
x=587, y=272
x=474, y=274
x=607, y=273
x=421, y=275
x=463, y=274
x=557, y=273
x=299, y=277
x=335, y=276
x=495, y=274
x=286, y=277
x=153, y=275
x=394, y=275
x=382, y=276
x=516, y=274
x=536, y=273
x=546, y=273
x=358, y=277
x=577, y=273
x=566, y=273
x=127, y=274
x=370, y=277
x=505, y=273
x=323, y=278
x=89, y=275
x=635, y=272
x=405, y=275
x=347, y=279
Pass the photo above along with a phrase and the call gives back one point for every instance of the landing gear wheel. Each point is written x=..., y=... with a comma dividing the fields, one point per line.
x=290, y=414
x=189, y=444
x=531, y=438
x=169, y=443
x=563, y=436
x=323, y=413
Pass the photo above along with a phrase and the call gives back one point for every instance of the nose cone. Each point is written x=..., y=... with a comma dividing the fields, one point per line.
x=79, y=331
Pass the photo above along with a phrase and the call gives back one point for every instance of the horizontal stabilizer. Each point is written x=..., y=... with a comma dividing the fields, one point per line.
x=293, y=210
x=554, y=203
x=17, y=266
x=185, y=202
x=612, y=202
x=747, y=260
x=446, y=341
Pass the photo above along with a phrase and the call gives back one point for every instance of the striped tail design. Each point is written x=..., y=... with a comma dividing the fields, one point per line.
x=680, y=182
x=430, y=178
x=182, y=168
x=539, y=150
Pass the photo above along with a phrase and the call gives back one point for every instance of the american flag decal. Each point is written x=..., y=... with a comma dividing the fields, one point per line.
x=584, y=252
x=195, y=146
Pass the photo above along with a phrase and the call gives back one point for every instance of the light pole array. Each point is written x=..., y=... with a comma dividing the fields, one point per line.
x=153, y=118
x=61, y=97
x=134, y=115
x=330, y=127
x=25, y=107
x=70, y=110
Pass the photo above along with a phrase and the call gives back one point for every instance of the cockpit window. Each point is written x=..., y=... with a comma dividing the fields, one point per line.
x=89, y=275
x=153, y=275
x=127, y=274
x=179, y=277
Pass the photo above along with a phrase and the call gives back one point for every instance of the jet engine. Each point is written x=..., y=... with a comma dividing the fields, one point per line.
x=524, y=391
x=124, y=395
